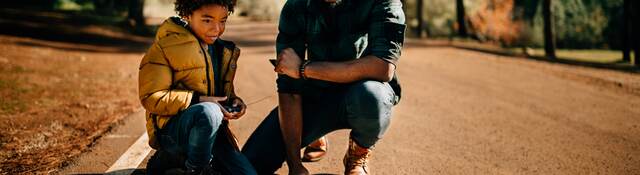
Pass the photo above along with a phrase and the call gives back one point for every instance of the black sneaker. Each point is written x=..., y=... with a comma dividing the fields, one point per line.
x=161, y=162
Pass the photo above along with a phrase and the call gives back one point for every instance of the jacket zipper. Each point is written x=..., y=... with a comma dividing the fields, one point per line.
x=206, y=61
x=227, y=71
x=229, y=66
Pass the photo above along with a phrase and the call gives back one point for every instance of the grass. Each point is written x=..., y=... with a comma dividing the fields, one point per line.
x=588, y=55
x=12, y=90
x=11, y=102
x=74, y=5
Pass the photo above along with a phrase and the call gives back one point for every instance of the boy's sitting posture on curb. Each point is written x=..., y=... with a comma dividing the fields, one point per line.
x=186, y=87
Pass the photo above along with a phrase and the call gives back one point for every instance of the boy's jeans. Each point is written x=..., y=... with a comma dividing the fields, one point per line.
x=193, y=134
x=364, y=107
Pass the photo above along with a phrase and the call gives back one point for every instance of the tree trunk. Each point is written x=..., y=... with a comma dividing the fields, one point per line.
x=549, y=36
x=462, y=26
x=419, y=13
x=105, y=7
x=626, y=32
x=635, y=26
x=136, y=17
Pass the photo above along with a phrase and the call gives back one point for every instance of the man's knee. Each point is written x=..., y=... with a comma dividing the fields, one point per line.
x=371, y=99
x=368, y=106
x=209, y=112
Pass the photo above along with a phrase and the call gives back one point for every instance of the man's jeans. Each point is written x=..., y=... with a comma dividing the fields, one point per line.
x=193, y=134
x=364, y=107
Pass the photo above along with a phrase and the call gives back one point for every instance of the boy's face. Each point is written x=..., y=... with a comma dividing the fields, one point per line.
x=208, y=22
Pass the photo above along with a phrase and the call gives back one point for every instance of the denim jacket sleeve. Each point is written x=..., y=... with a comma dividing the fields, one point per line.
x=386, y=31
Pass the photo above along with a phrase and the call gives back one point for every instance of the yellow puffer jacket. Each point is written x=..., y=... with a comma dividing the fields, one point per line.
x=175, y=68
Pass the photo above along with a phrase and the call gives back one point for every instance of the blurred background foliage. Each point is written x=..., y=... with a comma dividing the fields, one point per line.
x=579, y=24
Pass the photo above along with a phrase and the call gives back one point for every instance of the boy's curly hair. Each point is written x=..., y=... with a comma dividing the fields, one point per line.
x=186, y=7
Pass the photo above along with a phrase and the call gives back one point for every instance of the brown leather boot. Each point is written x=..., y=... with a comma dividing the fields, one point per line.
x=356, y=161
x=316, y=150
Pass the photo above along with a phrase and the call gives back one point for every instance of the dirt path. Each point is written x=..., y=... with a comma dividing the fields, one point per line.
x=472, y=113
x=465, y=112
x=462, y=112
x=63, y=83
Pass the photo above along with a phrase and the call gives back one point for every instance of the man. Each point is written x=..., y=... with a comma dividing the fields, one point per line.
x=347, y=82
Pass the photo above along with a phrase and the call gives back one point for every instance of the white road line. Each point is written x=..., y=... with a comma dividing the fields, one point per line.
x=131, y=159
x=118, y=136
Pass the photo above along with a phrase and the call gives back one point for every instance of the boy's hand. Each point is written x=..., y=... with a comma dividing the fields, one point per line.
x=212, y=99
x=218, y=101
x=289, y=63
x=237, y=102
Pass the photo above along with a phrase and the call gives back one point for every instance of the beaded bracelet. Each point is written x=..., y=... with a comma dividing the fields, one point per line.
x=302, y=68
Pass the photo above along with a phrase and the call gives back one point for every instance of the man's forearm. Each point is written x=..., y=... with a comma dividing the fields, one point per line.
x=368, y=67
x=290, y=116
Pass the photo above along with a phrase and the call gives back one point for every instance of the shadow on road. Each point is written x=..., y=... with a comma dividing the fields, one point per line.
x=139, y=171
x=93, y=33
x=617, y=65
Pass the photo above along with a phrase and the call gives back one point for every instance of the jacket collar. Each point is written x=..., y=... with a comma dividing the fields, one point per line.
x=175, y=25
x=180, y=29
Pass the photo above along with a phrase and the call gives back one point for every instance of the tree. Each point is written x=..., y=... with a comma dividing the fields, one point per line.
x=419, y=13
x=549, y=36
x=136, y=17
x=460, y=13
x=635, y=25
x=626, y=31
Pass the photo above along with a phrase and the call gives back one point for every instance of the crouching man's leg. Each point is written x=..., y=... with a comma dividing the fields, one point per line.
x=265, y=148
x=368, y=112
x=193, y=133
x=228, y=160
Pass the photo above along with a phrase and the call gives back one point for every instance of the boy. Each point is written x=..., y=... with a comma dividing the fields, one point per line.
x=186, y=87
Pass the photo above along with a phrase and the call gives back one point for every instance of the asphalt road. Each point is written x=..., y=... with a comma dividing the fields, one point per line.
x=462, y=112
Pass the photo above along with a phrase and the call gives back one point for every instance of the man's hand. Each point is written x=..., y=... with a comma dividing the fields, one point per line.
x=219, y=100
x=288, y=63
